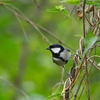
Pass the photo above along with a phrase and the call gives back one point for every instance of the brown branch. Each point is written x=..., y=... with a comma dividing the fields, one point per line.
x=21, y=69
x=81, y=93
x=87, y=81
x=76, y=75
x=84, y=29
x=36, y=26
x=79, y=86
x=94, y=64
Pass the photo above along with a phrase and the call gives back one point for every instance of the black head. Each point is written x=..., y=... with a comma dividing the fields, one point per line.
x=56, y=49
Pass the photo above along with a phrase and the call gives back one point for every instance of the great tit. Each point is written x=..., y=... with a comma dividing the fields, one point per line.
x=60, y=55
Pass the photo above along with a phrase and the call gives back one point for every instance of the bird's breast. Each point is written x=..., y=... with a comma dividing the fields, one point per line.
x=59, y=62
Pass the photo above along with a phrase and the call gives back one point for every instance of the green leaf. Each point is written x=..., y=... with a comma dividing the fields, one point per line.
x=89, y=40
x=53, y=10
x=75, y=2
x=66, y=13
x=60, y=8
x=57, y=8
x=98, y=5
x=92, y=2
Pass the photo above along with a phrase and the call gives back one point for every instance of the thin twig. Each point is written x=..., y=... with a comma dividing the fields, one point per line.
x=96, y=25
x=79, y=86
x=94, y=64
x=84, y=30
x=84, y=84
x=25, y=18
x=19, y=90
x=58, y=85
x=73, y=10
x=76, y=75
x=96, y=29
x=81, y=93
x=93, y=57
x=87, y=81
x=61, y=81
x=88, y=21
x=36, y=26
x=20, y=24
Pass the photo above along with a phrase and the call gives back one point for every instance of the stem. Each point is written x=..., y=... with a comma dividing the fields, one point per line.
x=84, y=29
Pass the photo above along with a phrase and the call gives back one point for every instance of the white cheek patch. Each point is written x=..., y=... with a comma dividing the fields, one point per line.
x=55, y=50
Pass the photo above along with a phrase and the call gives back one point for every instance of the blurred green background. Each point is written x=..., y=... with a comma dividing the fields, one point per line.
x=26, y=65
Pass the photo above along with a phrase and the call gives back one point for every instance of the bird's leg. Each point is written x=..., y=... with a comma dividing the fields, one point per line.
x=68, y=74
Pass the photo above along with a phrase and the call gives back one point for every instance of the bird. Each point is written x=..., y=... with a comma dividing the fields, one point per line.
x=60, y=55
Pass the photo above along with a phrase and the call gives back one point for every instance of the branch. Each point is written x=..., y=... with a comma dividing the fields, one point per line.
x=84, y=30
x=79, y=86
x=36, y=26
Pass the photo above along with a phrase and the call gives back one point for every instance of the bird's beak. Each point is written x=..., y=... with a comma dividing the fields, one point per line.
x=47, y=48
